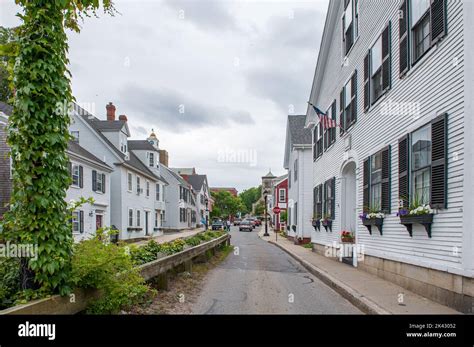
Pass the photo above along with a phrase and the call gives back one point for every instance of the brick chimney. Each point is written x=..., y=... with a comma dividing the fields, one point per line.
x=164, y=157
x=123, y=117
x=110, y=112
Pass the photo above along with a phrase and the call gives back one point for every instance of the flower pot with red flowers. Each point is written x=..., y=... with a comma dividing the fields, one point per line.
x=347, y=237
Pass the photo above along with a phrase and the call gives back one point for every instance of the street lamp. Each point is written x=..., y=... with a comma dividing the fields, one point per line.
x=207, y=213
x=265, y=194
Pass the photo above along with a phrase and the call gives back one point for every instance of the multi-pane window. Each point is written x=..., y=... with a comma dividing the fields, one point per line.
x=282, y=195
x=376, y=68
x=75, y=136
x=350, y=23
x=156, y=219
x=138, y=218
x=76, y=175
x=330, y=134
x=376, y=181
x=348, y=103
x=130, y=217
x=130, y=181
x=158, y=192
x=138, y=185
x=162, y=219
x=318, y=138
x=421, y=164
x=147, y=189
x=100, y=182
x=421, y=37
x=151, y=159
x=76, y=222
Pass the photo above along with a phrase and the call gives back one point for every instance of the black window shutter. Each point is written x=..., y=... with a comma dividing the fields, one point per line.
x=439, y=162
x=333, y=115
x=366, y=185
x=386, y=182
x=315, y=196
x=367, y=82
x=69, y=168
x=315, y=154
x=438, y=20
x=94, y=180
x=354, y=97
x=325, y=198
x=320, y=199
x=333, y=198
x=404, y=170
x=81, y=175
x=81, y=222
x=404, y=34
x=386, y=57
x=103, y=183
x=341, y=110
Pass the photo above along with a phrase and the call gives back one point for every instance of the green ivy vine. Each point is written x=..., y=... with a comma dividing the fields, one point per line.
x=38, y=137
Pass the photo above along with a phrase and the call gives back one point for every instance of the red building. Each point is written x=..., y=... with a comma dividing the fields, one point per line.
x=280, y=195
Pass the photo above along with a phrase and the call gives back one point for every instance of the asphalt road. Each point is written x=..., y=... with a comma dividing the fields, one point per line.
x=259, y=278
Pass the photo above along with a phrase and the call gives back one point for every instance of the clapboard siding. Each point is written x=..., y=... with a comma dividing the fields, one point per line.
x=436, y=83
x=5, y=179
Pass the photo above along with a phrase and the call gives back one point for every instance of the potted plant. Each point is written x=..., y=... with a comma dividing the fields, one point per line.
x=418, y=213
x=372, y=217
x=316, y=222
x=347, y=237
x=326, y=221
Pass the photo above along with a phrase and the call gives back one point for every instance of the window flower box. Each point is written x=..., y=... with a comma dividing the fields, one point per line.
x=316, y=224
x=293, y=227
x=424, y=219
x=370, y=222
x=327, y=224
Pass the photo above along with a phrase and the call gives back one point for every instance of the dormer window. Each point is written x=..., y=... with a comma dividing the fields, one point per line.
x=151, y=159
x=123, y=146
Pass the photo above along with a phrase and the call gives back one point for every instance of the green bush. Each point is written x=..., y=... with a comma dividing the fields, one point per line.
x=108, y=268
x=173, y=247
x=10, y=281
x=193, y=241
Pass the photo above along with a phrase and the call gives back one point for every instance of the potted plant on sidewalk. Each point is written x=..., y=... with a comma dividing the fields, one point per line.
x=347, y=237
x=316, y=222
x=326, y=221
x=372, y=217
x=418, y=213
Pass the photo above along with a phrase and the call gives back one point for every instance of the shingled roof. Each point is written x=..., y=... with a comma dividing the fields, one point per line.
x=140, y=145
x=75, y=148
x=299, y=135
x=196, y=181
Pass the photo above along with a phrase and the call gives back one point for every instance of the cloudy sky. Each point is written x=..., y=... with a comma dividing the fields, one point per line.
x=215, y=79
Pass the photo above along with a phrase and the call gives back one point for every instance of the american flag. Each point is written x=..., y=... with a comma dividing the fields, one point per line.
x=325, y=120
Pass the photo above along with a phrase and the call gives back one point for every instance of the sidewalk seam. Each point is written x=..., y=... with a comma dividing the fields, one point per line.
x=357, y=299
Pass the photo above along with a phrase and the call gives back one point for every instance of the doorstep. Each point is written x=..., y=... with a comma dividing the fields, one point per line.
x=368, y=292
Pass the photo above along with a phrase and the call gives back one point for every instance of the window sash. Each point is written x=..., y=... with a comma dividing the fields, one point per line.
x=151, y=159
x=418, y=9
x=130, y=182
x=76, y=227
x=130, y=218
x=138, y=218
x=76, y=178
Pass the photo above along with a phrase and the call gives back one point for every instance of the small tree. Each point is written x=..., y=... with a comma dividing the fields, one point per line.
x=38, y=138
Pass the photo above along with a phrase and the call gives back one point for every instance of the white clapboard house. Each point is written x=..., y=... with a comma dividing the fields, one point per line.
x=397, y=77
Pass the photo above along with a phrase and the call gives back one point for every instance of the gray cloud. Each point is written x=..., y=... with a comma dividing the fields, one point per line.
x=176, y=112
x=206, y=14
x=287, y=54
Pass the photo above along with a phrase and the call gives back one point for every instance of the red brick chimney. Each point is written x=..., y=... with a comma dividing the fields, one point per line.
x=123, y=117
x=110, y=112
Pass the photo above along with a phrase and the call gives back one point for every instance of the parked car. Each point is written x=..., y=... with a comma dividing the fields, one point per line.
x=237, y=221
x=258, y=222
x=253, y=221
x=246, y=225
x=217, y=225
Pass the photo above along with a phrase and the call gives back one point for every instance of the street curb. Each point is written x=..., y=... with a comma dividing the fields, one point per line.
x=357, y=299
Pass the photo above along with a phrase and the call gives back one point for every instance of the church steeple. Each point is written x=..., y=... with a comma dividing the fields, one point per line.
x=153, y=139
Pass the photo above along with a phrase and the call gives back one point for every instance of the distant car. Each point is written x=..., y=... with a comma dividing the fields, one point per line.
x=258, y=222
x=246, y=225
x=237, y=221
x=217, y=225
x=253, y=222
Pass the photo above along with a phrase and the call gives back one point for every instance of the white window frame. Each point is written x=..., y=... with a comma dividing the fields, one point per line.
x=132, y=215
x=76, y=220
x=147, y=186
x=138, y=180
x=282, y=190
x=73, y=169
x=138, y=218
x=129, y=182
x=99, y=183
x=151, y=159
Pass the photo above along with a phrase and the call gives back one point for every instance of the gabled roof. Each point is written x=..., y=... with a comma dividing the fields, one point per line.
x=5, y=108
x=175, y=176
x=269, y=175
x=75, y=148
x=105, y=125
x=296, y=135
x=197, y=181
x=140, y=145
x=299, y=134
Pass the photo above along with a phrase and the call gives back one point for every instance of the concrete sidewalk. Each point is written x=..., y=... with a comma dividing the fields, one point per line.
x=172, y=236
x=369, y=293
